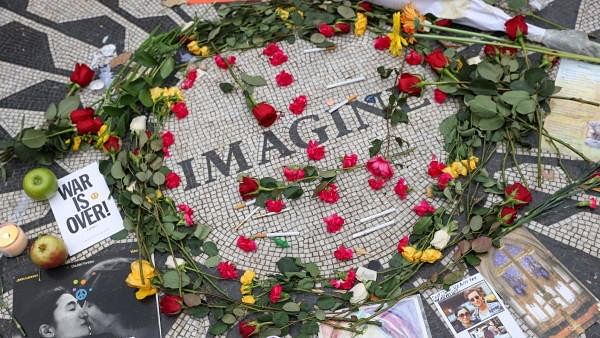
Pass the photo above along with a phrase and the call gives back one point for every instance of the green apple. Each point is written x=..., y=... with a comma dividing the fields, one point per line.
x=40, y=183
x=48, y=252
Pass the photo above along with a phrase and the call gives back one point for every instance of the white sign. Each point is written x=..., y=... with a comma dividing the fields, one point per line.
x=84, y=210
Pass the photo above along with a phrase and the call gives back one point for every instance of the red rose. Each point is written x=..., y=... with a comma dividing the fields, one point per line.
x=168, y=139
x=507, y=215
x=334, y=223
x=401, y=189
x=247, y=329
x=490, y=50
x=180, y=110
x=518, y=195
x=172, y=180
x=443, y=22
x=343, y=253
x=414, y=58
x=380, y=167
x=227, y=270
x=284, y=79
x=326, y=30
x=342, y=27
x=275, y=294
x=349, y=161
x=81, y=114
x=365, y=6
x=439, y=96
x=82, y=74
x=248, y=187
x=298, y=104
x=424, y=208
x=90, y=126
x=171, y=305
x=113, y=144
x=274, y=205
x=278, y=58
x=329, y=194
x=376, y=183
x=437, y=60
x=246, y=244
x=224, y=63
x=443, y=180
x=346, y=283
x=508, y=51
x=314, y=151
x=265, y=114
x=435, y=167
x=292, y=174
x=382, y=42
x=190, y=79
x=271, y=48
x=409, y=84
x=402, y=243
x=516, y=27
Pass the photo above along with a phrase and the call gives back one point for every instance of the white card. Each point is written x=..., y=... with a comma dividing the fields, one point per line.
x=84, y=211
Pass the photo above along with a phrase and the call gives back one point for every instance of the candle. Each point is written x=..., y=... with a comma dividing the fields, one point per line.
x=13, y=240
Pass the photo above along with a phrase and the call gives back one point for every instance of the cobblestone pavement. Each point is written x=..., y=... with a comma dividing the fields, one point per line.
x=39, y=43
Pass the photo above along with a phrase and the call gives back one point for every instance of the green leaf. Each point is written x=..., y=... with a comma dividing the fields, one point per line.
x=306, y=284
x=399, y=116
x=481, y=86
x=309, y=328
x=213, y=261
x=345, y=12
x=33, y=138
x=328, y=173
x=228, y=318
x=218, y=328
x=253, y=80
x=156, y=144
x=116, y=171
x=173, y=279
x=317, y=38
x=145, y=98
x=226, y=87
x=472, y=259
x=526, y=107
x=67, y=105
x=483, y=106
x=158, y=178
x=375, y=147
x=202, y=231
x=51, y=112
x=144, y=59
x=534, y=76
x=198, y=311
x=167, y=68
x=491, y=124
x=423, y=225
x=137, y=199
x=489, y=71
x=280, y=242
x=517, y=5
x=320, y=314
x=272, y=331
x=476, y=223
x=213, y=33
x=210, y=248
x=513, y=97
x=326, y=302
x=312, y=269
x=291, y=307
x=383, y=72
x=120, y=235
x=452, y=277
x=280, y=319
x=293, y=192
x=287, y=264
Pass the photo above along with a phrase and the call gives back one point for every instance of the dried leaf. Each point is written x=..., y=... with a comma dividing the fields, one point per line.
x=120, y=59
x=360, y=251
x=481, y=244
x=191, y=300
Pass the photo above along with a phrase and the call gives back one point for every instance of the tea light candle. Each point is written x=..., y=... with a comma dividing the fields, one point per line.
x=13, y=240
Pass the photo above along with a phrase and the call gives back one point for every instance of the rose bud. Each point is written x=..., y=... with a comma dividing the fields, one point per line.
x=516, y=27
x=342, y=27
x=490, y=50
x=81, y=114
x=247, y=329
x=382, y=42
x=82, y=75
x=414, y=58
x=248, y=187
x=409, y=84
x=518, y=195
x=326, y=30
x=265, y=114
x=171, y=305
x=113, y=144
x=437, y=60
x=365, y=6
x=507, y=215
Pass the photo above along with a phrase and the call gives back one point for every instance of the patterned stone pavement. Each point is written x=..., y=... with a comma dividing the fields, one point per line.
x=39, y=43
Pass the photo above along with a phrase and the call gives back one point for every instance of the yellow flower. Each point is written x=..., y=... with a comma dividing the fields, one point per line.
x=102, y=130
x=76, y=143
x=158, y=193
x=409, y=15
x=431, y=255
x=245, y=289
x=396, y=22
x=247, y=277
x=174, y=94
x=156, y=93
x=471, y=163
x=282, y=13
x=459, y=168
x=411, y=254
x=195, y=49
x=360, y=25
x=450, y=171
x=140, y=278
x=248, y=300
x=396, y=44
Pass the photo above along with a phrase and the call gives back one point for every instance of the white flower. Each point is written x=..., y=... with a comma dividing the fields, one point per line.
x=138, y=124
x=131, y=186
x=363, y=274
x=440, y=239
x=359, y=293
x=173, y=263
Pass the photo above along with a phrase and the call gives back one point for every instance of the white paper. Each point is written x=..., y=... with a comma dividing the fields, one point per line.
x=495, y=319
x=84, y=211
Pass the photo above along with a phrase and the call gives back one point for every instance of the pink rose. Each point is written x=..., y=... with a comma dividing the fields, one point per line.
x=380, y=167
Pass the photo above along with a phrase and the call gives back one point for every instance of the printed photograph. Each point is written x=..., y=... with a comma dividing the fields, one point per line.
x=491, y=328
x=85, y=299
x=471, y=306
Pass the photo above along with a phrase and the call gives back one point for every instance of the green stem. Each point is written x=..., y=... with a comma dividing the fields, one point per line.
x=576, y=99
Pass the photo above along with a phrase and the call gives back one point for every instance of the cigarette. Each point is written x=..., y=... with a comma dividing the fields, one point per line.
x=247, y=218
x=342, y=103
x=383, y=213
x=373, y=229
x=243, y=204
x=270, y=214
x=283, y=234
x=314, y=50
x=346, y=82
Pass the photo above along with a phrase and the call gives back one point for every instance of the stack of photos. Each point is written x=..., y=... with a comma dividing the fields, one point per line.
x=472, y=309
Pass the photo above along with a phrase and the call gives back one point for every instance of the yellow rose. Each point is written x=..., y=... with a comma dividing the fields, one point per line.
x=360, y=25
x=459, y=168
x=449, y=170
x=174, y=94
x=156, y=93
x=471, y=163
x=411, y=254
x=195, y=49
x=282, y=13
x=76, y=143
x=431, y=255
x=140, y=278
x=245, y=289
x=247, y=277
x=248, y=300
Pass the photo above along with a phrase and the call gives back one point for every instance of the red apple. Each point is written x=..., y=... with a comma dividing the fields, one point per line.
x=48, y=252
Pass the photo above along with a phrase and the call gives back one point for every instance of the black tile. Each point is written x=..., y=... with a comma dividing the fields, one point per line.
x=36, y=97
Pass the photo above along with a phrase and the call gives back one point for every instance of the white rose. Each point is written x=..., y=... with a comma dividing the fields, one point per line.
x=359, y=293
x=173, y=263
x=440, y=239
x=363, y=274
x=138, y=124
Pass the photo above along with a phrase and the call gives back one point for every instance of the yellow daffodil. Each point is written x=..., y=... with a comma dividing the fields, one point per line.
x=198, y=50
x=282, y=13
x=245, y=289
x=360, y=25
x=76, y=143
x=247, y=277
x=140, y=278
x=409, y=15
x=397, y=42
x=411, y=254
x=248, y=300
x=471, y=163
x=431, y=255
